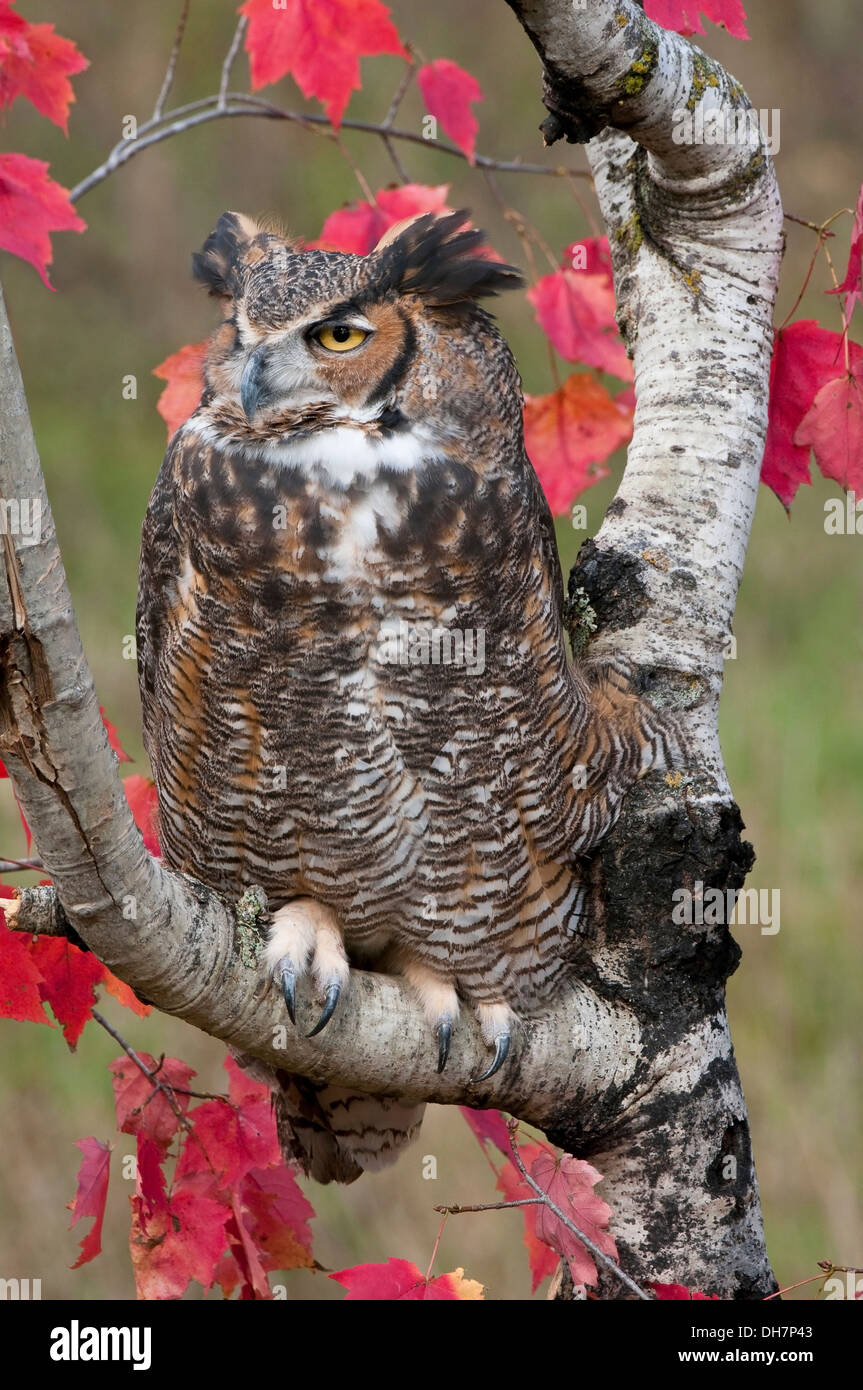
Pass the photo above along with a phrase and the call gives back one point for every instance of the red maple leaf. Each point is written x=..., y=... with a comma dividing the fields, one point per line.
x=852, y=285
x=141, y=1107
x=36, y=63
x=401, y=1281
x=20, y=979
x=175, y=1242
x=592, y=256
x=90, y=1195
x=680, y=1291
x=227, y=1142
x=448, y=91
x=576, y=311
x=805, y=358
x=268, y=1227
x=489, y=1126
x=32, y=206
x=277, y=1214
x=243, y=1264
x=569, y=1182
x=683, y=15
x=125, y=995
x=114, y=739
x=184, y=373
x=149, y=1175
x=267, y=1231
x=540, y=1255
x=570, y=433
x=319, y=42
x=69, y=978
x=833, y=429
x=144, y=805
x=359, y=227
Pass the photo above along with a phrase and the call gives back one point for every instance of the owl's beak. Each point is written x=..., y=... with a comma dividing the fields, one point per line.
x=253, y=386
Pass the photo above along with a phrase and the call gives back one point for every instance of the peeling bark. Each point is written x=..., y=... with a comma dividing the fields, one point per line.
x=634, y=1067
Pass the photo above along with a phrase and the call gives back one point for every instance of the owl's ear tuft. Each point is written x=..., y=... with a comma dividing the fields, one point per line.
x=440, y=259
x=218, y=264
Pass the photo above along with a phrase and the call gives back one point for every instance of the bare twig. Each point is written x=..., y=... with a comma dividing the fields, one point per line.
x=827, y=1268
x=172, y=63
x=229, y=60
x=389, y=118
x=824, y=234
x=197, y=113
x=8, y=865
x=158, y=1085
x=440, y=1230
x=600, y=1255
x=491, y=1206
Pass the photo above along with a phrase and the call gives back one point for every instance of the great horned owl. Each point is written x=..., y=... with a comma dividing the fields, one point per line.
x=355, y=686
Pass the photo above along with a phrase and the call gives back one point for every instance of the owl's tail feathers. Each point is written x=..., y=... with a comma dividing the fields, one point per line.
x=337, y=1135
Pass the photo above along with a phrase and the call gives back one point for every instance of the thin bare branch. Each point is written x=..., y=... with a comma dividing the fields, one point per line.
x=172, y=63
x=239, y=33
x=197, y=113
x=158, y=1085
x=491, y=1206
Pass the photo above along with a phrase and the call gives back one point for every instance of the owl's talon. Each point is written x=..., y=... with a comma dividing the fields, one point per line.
x=330, y=1003
x=289, y=991
x=501, y=1052
x=305, y=940
x=444, y=1036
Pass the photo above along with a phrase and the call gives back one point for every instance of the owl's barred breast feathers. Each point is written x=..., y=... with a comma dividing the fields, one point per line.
x=354, y=680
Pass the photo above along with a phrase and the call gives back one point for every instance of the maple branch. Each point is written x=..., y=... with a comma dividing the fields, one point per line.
x=230, y=58
x=168, y=82
x=213, y=108
x=490, y=1206
x=155, y=1081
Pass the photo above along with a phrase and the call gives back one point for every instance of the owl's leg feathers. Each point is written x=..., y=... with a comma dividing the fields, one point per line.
x=305, y=938
x=496, y=1021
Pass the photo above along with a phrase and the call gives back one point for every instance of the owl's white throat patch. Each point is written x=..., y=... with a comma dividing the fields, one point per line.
x=346, y=452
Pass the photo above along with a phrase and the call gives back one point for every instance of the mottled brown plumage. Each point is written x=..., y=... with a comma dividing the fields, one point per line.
x=352, y=664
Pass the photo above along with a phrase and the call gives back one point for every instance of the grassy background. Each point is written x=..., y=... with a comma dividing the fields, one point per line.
x=790, y=716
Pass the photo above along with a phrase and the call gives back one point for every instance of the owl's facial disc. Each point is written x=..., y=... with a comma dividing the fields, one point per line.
x=285, y=370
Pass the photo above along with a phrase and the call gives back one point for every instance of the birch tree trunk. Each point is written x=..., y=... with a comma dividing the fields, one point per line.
x=634, y=1069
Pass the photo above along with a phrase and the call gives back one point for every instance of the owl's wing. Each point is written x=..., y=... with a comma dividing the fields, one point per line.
x=157, y=574
x=541, y=522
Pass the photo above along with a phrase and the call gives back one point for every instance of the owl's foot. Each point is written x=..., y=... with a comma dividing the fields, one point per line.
x=496, y=1021
x=305, y=939
x=440, y=1004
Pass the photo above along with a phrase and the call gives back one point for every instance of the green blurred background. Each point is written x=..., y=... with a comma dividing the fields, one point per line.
x=791, y=729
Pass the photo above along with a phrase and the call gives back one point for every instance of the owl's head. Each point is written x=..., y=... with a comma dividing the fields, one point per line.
x=396, y=335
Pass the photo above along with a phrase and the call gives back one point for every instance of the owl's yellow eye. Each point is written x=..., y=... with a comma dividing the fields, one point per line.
x=340, y=337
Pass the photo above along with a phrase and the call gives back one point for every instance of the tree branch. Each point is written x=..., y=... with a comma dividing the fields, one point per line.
x=212, y=108
x=170, y=72
x=696, y=238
